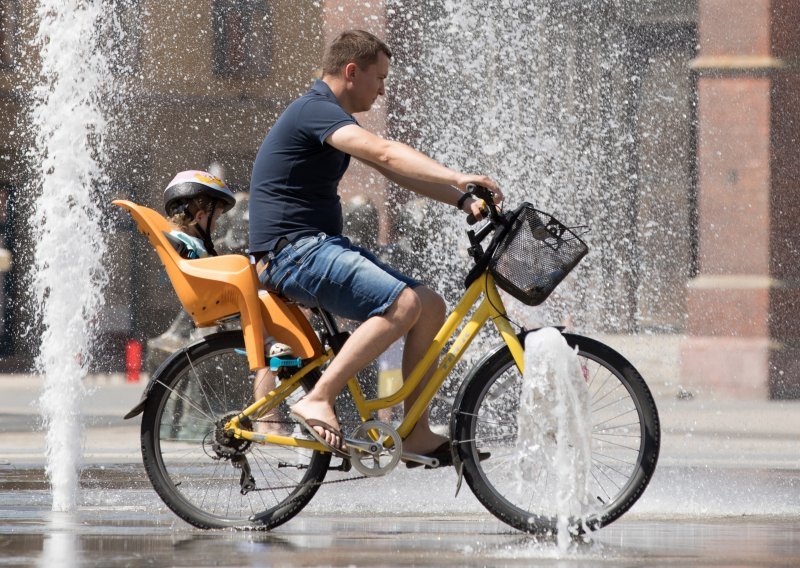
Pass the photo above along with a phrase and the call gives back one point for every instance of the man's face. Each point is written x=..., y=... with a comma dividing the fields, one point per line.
x=368, y=83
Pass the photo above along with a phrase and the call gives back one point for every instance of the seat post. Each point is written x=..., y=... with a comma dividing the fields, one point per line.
x=336, y=338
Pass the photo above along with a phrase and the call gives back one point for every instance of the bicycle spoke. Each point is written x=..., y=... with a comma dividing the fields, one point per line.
x=197, y=475
x=599, y=485
x=199, y=382
x=596, y=430
x=595, y=401
x=521, y=489
x=191, y=403
x=596, y=458
x=598, y=410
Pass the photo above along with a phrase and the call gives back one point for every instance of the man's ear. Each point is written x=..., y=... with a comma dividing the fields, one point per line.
x=350, y=71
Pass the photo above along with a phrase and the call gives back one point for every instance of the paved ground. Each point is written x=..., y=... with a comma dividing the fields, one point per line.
x=702, y=430
x=726, y=493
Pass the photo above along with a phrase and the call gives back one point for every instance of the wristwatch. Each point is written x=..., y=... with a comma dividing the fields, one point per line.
x=462, y=199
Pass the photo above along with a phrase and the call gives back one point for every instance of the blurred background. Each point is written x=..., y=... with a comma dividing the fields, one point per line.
x=669, y=127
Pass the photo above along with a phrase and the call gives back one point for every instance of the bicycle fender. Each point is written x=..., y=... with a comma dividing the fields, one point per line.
x=139, y=408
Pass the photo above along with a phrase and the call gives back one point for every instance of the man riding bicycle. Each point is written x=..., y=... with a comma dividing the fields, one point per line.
x=296, y=229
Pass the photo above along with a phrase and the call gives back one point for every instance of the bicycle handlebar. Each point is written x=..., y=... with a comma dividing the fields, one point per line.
x=486, y=195
x=495, y=218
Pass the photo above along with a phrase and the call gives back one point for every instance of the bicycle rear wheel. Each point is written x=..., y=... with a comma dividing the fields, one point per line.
x=625, y=441
x=195, y=470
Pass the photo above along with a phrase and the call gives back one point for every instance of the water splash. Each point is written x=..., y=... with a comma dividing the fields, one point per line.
x=555, y=427
x=61, y=546
x=528, y=92
x=68, y=276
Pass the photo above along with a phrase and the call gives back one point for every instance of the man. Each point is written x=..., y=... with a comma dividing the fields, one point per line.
x=296, y=225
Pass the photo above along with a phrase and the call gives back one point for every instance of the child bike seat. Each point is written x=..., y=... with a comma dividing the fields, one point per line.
x=219, y=287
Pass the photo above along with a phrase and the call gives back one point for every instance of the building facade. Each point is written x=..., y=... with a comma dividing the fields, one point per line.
x=702, y=91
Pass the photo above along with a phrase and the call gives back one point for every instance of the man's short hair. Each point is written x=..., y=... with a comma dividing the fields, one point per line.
x=353, y=46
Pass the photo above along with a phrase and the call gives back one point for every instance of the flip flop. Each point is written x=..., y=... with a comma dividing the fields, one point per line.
x=444, y=454
x=308, y=426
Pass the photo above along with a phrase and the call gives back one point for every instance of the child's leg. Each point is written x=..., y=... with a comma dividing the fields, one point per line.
x=265, y=381
x=267, y=423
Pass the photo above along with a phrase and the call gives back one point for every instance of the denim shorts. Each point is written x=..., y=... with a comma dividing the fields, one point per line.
x=329, y=272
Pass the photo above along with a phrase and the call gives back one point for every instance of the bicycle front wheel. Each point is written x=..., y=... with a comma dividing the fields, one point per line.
x=195, y=469
x=625, y=441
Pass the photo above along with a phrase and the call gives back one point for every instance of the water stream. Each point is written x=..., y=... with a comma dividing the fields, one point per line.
x=68, y=275
x=527, y=92
x=489, y=87
x=554, y=425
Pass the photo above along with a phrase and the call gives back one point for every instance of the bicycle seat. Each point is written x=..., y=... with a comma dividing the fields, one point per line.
x=218, y=287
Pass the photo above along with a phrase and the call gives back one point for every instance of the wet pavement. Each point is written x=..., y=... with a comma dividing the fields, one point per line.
x=726, y=493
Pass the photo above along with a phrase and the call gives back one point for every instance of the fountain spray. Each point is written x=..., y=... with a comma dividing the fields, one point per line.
x=68, y=275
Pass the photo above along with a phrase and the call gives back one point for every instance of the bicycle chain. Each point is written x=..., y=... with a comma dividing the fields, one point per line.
x=307, y=484
x=292, y=422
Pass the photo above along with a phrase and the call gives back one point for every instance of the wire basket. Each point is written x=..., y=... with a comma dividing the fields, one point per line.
x=535, y=256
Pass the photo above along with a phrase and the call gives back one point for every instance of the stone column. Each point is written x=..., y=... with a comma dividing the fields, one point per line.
x=340, y=15
x=744, y=313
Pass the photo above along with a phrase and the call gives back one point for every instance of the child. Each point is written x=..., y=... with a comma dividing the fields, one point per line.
x=194, y=200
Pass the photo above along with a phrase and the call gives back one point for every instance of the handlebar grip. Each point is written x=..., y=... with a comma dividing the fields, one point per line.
x=480, y=192
x=485, y=195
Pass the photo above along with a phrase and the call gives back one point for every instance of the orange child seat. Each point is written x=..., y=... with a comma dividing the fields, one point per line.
x=219, y=287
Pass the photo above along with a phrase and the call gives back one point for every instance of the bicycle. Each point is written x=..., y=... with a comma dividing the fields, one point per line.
x=211, y=468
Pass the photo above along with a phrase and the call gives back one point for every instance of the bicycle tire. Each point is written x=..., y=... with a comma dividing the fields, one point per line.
x=191, y=393
x=623, y=457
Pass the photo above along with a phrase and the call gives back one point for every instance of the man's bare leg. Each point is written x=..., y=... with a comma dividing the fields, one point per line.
x=368, y=341
x=422, y=440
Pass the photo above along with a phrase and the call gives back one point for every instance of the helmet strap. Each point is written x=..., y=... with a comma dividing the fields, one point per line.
x=205, y=234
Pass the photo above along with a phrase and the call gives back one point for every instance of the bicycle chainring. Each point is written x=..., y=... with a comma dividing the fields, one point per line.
x=386, y=458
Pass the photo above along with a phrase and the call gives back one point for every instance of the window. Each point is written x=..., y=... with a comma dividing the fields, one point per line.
x=242, y=38
x=8, y=36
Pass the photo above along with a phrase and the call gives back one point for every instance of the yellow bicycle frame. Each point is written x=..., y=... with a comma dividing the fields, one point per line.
x=490, y=306
x=218, y=287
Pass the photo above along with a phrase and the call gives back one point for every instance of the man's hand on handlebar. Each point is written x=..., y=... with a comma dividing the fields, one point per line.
x=483, y=181
x=475, y=208
x=484, y=198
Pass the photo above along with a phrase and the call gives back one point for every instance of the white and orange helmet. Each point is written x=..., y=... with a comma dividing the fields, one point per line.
x=192, y=183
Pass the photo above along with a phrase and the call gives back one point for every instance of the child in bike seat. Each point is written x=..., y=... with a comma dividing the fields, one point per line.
x=194, y=200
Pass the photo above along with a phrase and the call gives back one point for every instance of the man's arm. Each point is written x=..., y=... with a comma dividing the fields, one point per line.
x=443, y=192
x=408, y=167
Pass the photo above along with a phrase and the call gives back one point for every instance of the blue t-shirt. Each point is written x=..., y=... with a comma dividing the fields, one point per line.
x=295, y=180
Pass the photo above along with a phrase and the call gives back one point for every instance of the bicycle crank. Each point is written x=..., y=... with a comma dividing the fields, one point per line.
x=369, y=453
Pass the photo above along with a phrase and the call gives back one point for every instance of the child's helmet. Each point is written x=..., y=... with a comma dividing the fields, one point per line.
x=192, y=183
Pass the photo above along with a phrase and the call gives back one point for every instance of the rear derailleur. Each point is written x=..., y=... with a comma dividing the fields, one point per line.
x=225, y=446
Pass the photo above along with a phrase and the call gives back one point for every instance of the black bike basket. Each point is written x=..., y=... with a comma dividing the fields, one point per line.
x=535, y=256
